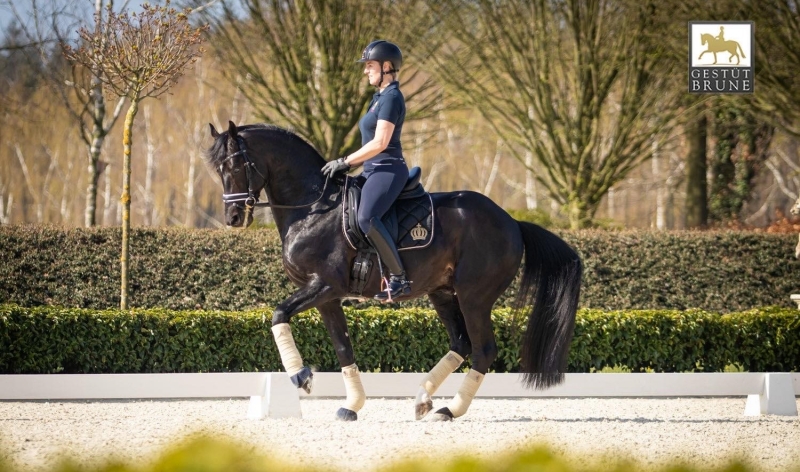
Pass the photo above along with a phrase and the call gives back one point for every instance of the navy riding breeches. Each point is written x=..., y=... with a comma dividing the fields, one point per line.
x=384, y=182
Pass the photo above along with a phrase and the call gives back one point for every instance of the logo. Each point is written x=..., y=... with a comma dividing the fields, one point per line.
x=721, y=57
x=418, y=233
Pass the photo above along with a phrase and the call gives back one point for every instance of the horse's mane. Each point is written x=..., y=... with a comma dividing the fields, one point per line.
x=219, y=149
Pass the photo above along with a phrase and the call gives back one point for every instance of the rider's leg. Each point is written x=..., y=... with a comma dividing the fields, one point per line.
x=383, y=184
x=380, y=239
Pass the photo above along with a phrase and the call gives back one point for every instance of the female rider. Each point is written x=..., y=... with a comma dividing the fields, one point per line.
x=385, y=171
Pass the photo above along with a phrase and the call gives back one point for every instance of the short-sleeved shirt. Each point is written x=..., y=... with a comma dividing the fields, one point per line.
x=389, y=105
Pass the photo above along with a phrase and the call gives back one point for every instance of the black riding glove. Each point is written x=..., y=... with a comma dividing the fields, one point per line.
x=334, y=167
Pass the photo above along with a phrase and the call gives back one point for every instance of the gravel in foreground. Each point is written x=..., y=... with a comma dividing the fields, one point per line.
x=702, y=431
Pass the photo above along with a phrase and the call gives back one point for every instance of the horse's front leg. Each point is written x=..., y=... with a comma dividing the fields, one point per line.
x=335, y=322
x=307, y=297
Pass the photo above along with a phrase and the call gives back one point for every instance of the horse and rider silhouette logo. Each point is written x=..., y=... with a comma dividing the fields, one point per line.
x=718, y=43
x=726, y=45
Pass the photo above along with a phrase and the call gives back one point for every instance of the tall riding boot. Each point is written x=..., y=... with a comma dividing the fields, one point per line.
x=380, y=239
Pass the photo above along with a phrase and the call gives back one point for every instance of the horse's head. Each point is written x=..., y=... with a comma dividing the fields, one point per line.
x=241, y=180
x=705, y=38
x=252, y=158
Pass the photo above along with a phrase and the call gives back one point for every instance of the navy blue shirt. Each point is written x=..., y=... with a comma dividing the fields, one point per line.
x=389, y=105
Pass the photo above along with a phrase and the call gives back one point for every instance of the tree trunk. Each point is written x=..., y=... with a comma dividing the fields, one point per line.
x=696, y=184
x=580, y=215
x=95, y=168
x=5, y=206
x=188, y=217
x=98, y=133
x=91, y=191
x=149, y=205
x=531, y=202
x=127, y=139
x=107, y=203
x=661, y=209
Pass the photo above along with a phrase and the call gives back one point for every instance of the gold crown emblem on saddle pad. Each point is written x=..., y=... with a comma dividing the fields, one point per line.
x=418, y=233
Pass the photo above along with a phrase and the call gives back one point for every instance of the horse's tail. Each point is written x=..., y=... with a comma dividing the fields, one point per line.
x=551, y=281
x=741, y=50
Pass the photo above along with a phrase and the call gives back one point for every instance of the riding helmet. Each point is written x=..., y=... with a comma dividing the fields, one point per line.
x=380, y=51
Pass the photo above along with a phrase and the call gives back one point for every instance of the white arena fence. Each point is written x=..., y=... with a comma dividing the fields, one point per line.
x=273, y=395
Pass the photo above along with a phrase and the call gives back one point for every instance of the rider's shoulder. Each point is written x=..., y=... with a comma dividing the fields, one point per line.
x=393, y=94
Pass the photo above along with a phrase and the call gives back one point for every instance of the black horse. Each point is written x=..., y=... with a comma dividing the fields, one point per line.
x=474, y=256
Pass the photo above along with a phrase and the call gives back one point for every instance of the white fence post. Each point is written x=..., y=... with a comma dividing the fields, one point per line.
x=776, y=397
x=280, y=399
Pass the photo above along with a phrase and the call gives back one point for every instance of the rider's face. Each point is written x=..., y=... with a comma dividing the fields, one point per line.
x=372, y=69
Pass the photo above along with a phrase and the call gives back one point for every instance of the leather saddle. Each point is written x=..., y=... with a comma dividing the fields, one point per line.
x=409, y=220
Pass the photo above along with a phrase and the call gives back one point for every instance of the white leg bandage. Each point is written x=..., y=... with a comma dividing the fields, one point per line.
x=459, y=404
x=290, y=356
x=445, y=367
x=450, y=362
x=352, y=385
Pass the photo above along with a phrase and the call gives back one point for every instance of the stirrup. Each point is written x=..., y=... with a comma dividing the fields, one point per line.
x=395, y=286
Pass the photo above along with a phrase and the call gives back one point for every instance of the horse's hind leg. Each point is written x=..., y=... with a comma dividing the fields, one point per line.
x=484, y=351
x=478, y=287
x=446, y=305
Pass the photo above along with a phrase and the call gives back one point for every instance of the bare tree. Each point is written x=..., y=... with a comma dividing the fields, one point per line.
x=578, y=83
x=79, y=89
x=778, y=63
x=295, y=61
x=137, y=56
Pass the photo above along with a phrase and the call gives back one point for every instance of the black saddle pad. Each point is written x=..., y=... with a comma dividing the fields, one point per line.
x=409, y=220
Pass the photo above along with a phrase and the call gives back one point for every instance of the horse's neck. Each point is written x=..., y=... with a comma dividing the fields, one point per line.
x=286, y=219
x=299, y=193
x=294, y=226
x=294, y=190
x=295, y=180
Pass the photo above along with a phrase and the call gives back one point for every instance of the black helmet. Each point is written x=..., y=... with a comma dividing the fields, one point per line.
x=380, y=51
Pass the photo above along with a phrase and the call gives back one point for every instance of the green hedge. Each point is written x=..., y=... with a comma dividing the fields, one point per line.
x=242, y=270
x=59, y=340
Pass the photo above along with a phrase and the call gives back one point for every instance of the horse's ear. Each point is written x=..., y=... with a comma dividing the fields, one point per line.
x=214, y=133
x=232, y=129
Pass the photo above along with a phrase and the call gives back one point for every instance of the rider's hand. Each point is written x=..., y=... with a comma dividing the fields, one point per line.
x=334, y=167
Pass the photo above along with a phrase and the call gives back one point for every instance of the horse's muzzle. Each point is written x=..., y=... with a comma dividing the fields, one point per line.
x=237, y=217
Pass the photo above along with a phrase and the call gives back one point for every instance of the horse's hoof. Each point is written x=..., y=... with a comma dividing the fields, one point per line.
x=422, y=409
x=442, y=415
x=303, y=379
x=346, y=415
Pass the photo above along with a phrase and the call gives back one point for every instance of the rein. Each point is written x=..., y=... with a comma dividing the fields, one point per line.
x=250, y=199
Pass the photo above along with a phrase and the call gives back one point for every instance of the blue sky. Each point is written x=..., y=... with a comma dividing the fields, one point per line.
x=84, y=7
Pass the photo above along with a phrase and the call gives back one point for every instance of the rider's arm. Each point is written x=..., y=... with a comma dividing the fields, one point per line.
x=383, y=134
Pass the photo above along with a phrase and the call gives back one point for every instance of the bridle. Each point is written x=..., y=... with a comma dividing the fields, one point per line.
x=249, y=200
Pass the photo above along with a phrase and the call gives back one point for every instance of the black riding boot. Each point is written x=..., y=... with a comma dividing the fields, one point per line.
x=379, y=237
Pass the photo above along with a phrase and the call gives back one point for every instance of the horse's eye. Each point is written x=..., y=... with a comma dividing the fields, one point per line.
x=236, y=170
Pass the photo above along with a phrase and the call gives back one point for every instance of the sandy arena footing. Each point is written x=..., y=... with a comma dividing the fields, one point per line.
x=704, y=431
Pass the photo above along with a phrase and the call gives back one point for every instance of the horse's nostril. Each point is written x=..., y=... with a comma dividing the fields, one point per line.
x=233, y=220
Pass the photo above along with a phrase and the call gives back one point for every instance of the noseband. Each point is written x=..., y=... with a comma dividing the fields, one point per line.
x=250, y=199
